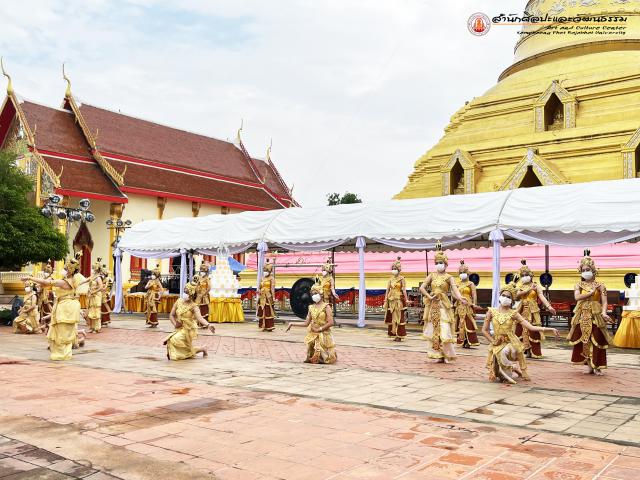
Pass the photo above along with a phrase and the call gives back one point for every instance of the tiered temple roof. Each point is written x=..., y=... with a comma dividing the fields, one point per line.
x=106, y=155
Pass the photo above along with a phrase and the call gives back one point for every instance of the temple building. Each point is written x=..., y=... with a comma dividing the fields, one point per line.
x=131, y=169
x=566, y=110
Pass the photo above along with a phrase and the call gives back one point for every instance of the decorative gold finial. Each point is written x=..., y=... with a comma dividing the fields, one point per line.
x=67, y=94
x=9, y=85
x=240, y=130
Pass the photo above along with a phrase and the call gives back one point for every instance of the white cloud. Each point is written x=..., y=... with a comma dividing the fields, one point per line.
x=352, y=92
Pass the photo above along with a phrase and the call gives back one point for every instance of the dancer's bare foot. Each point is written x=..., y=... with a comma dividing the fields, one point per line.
x=598, y=372
x=588, y=370
x=204, y=352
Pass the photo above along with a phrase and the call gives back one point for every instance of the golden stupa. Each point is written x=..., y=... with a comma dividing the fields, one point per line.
x=567, y=110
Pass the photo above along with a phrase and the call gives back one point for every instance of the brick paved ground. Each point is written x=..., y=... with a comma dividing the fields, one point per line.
x=253, y=411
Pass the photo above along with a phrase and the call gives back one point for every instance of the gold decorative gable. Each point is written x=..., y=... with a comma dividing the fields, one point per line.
x=471, y=171
x=569, y=104
x=546, y=173
x=629, y=169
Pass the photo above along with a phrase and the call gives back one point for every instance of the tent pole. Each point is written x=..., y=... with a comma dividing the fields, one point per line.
x=362, y=290
x=333, y=275
x=546, y=258
x=426, y=260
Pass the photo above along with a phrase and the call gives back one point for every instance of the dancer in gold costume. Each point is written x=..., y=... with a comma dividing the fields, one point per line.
x=321, y=347
x=65, y=315
x=329, y=294
x=154, y=294
x=94, y=315
x=28, y=319
x=45, y=296
x=107, y=285
x=202, y=290
x=530, y=294
x=506, y=360
x=439, y=319
x=185, y=316
x=266, y=295
x=588, y=333
x=465, y=314
x=395, y=304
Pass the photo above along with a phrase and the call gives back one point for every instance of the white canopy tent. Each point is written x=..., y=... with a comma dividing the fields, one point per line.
x=584, y=214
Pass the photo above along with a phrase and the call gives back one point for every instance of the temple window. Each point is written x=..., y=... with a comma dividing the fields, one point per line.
x=554, y=113
x=456, y=184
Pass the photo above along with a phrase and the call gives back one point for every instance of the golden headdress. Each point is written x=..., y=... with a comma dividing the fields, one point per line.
x=204, y=267
x=190, y=288
x=156, y=271
x=396, y=265
x=72, y=265
x=327, y=267
x=587, y=261
x=524, y=269
x=268, y=267
x=511, y=288
x=97, y=265
x=463, y=268
x=29, y=283
x=440, y=255
x=104, y=270
x=316, y=288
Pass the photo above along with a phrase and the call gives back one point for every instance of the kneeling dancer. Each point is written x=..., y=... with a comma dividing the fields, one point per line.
x=320, y=345
x=185, y=316
x=506, y=358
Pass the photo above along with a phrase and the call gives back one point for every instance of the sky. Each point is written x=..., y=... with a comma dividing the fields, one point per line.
x=350, y=92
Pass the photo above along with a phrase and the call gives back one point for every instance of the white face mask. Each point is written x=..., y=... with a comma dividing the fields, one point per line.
x=324, y=273
x=316, y=297
x=266, y=274
x=27, y=289
x=440, y=267
x=185, y=296
x=587, y=275
x=526, y=279
x=463, y=276
x=64, y=272
x=504, y=301
x=395, y=272
x=153, y=277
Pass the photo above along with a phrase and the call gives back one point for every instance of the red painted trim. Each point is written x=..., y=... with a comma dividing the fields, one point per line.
x=66, y=155
x=94, y=196
x=6, y=117
x=177, y=196
x=179, y=169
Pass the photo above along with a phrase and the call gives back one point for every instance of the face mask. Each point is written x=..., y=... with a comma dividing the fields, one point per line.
x=440, y=267
x=505, y=301
x=463, y=276
x=153, y=277
x=27, y=289
x=588, y=275
x=266, y=274
x=185, y=296
x=395, y=272
x=316, y=297
x=324, y=273
x=526, y=279
x=64, y=272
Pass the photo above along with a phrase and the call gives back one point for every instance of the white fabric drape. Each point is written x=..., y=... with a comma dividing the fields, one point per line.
x=153, y=254
x=183, y=269
x=416, y=244
x=575, y=239
x=496, y=238
x=118, y=280
x=190, y=266
x=311, y=246
x=362, y=290
x=228, y=250
x=262, y=248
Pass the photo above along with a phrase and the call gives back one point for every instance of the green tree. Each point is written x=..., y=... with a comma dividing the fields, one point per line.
x=25, y=235
x=347, y=197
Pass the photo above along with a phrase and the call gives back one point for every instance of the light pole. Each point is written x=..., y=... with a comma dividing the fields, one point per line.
x=118, y=226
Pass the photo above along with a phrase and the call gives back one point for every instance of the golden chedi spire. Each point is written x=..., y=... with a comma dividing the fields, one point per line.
x=566, y=110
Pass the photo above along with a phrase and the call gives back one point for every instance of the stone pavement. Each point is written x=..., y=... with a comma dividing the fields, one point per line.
x=252, y=410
